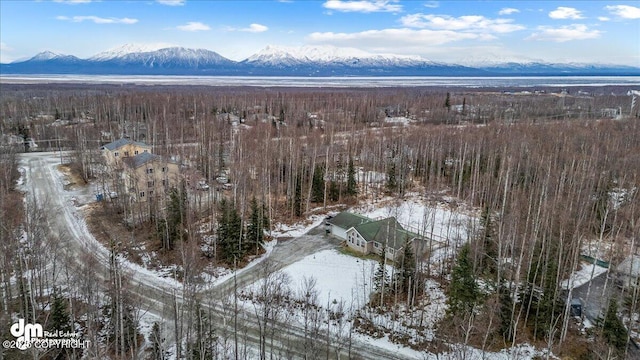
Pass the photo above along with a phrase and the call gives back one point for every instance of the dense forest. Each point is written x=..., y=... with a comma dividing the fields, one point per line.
x=551, y=175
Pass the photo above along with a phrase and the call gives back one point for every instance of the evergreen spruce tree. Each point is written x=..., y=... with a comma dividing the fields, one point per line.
x=506, y=309
x=489, y=265
x=540, y=294
x=352, y=186
x=266, y=223
x=230, y=233
x=236, y=246
x=392, y=180
x=613, y=329
x=406, y=273
x=447, y=102
x=176, y=211
x=258, y=222
x=297, y=196
x=334, y=191
x=463, y=290
x=59, y=319
x=381, y=278
x=317, y=185
x=601, y=206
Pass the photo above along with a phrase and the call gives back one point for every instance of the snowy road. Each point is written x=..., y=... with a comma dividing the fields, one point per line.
x=157, y=295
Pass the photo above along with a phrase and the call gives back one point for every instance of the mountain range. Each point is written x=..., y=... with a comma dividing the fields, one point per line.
x=288, y=61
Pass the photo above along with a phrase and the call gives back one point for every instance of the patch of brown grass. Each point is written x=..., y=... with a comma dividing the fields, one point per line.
x=72, y=174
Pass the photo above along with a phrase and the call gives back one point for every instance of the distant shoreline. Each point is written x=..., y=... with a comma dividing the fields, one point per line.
x=340, y=82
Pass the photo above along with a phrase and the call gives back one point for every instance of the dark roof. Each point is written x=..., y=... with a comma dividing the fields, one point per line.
x=387, y=232
x=348, y=220
x=122, y=142
x=141, y=159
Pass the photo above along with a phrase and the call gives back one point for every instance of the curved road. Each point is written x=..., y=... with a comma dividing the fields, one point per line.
x=158, y=295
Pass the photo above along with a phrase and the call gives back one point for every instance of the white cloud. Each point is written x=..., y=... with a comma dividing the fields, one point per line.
x=365, y=6
x=193, y=26
x=255, y=28
x=73, y=2
x=432, y=4
x=603, y=18
x=98, y=20
x=462, y=23
x=566, y=13
x=172, y=2
x=508, y=11
x=624, y=11
x=393, y=40
x=564, y=33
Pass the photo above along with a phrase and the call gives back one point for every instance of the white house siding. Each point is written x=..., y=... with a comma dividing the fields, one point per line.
x=356, y=242
x=339, y=232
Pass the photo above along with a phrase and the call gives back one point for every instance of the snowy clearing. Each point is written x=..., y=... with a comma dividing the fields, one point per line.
x=338, y=277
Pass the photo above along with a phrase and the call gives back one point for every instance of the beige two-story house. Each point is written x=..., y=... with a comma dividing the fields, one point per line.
x=115, y=151
x=146, y=176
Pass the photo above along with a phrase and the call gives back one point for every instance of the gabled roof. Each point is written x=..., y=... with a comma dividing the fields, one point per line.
x=141, y=159
x=387, y=232
x=348, y=220
x=122, y=142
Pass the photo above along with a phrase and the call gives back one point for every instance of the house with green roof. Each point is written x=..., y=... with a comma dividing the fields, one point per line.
x=367, y=236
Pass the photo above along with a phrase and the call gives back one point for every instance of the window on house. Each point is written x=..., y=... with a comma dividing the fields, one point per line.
x=150, y=171
x=164, y=183
x=136, y=152
x=126, y=153
x=376, y=244
x=115, y=154
x=163, y=169
x=145, y=151
x=141, y=193
x=150, y=192
x=150, y=183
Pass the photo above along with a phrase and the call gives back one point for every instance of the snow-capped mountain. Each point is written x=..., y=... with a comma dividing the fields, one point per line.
x=174, y=57
x=49, y=56
x=289, y=56
x=132, y=59
x=127, y=49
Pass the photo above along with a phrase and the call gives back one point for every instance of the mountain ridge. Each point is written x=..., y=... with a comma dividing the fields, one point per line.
x=132, y=59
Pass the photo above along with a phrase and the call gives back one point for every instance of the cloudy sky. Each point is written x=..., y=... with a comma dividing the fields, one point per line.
x=452, y=31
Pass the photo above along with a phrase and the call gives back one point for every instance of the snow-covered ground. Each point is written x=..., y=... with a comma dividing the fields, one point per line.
x=297, y=229
x=339, y=277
